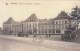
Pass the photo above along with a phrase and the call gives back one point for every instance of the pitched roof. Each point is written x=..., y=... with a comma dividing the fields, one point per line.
x=62, y=15
x=32, y=18
x=9, y=21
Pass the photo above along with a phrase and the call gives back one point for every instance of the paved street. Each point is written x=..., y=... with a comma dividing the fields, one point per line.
x=11, y=43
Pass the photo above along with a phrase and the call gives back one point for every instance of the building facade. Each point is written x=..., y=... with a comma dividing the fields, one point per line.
x=37, y=26
x=11, y=27
x=61, y=22
x=32, y=25
x=46, y=27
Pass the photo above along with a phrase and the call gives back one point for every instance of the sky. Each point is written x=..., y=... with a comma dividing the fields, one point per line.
x=20, y=10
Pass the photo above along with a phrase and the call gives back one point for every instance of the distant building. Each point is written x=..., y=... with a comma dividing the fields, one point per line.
x=11, y=27
x=61, y=22
x=46, y=26
x=32, y=25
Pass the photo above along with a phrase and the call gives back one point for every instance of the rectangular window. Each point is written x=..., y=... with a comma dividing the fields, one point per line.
x=49, y=31
x=56, y=22
x=42, y=31
x=59, y=22
x=53, y=31
x=65, y=22
x=39, y=32
x=45, y=31
x=33, y=24
x=58, y=31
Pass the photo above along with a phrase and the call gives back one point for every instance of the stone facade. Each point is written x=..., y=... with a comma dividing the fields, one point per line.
x=61, y=22
x=12, y=27
x=32, y=25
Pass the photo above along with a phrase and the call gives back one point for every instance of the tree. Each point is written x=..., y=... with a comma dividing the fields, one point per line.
x=75, y=13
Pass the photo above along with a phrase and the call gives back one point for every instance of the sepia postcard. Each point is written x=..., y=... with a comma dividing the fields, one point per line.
x=39, y=25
